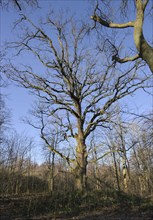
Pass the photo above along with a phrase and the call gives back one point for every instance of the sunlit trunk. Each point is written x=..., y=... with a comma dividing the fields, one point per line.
x=125, y=176
x=81, y=161
x=51, y=174
x=144, y=49
x=116, y=171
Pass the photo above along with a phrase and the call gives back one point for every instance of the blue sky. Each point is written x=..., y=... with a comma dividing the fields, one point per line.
x=19, y=100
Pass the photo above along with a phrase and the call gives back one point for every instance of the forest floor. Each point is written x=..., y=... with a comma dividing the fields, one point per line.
x=104, y=214
x=38, y=208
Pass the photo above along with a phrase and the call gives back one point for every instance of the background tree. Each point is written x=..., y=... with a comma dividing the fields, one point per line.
x=141, y=156
x=4, y=118
x=143, y=46
x=4, y=111
x=50, y=154
x=15, y=152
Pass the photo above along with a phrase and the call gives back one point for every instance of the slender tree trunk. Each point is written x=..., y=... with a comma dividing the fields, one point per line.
x=96, y=170
x=124, y=168
x=116, y=171
x=124, y=160
x=125, y=175
x=51, y=174
x=18, y=184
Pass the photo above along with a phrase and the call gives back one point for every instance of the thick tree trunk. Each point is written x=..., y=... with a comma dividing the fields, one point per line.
x=81, y=166
x=144, y=49
x=146, y=53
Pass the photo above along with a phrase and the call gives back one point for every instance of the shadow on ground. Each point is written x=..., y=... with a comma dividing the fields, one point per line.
x=93, y=206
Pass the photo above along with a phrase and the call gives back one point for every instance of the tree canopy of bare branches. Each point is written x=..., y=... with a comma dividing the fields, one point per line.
x=78, y=88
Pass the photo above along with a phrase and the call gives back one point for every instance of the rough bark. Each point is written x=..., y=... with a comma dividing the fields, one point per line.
x=81, y=168
x=81, y=160
x=144, y=49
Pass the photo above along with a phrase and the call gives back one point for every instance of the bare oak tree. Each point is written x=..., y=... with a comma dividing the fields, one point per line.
x=75, y=88
x=145, y=50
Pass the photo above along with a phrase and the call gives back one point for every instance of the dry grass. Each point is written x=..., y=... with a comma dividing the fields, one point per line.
x=94, y=206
